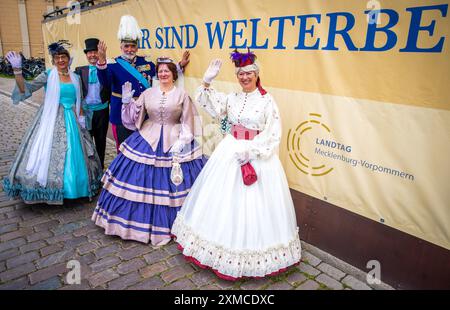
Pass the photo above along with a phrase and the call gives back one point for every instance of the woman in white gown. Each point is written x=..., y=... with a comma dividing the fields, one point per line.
x=235, y=229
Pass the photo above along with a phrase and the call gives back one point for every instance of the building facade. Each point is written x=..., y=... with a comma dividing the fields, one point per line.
x=20, y=23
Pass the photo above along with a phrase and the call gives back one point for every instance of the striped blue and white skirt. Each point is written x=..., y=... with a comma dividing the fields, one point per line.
x=138, y=200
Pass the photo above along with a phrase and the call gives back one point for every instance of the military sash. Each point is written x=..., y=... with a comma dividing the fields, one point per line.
x=133, y=71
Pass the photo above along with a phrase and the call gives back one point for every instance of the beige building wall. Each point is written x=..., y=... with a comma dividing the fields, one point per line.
x=10, y=31
x=60, y=3
x=35, y=10
x=10, y=26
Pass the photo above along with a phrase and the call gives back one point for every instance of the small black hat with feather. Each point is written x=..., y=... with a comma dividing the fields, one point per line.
x=59, y=47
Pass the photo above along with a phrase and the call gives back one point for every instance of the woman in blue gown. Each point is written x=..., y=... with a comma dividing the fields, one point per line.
x=56, y=159
x=140, y=200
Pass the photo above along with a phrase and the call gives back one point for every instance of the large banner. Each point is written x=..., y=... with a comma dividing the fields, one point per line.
x=362, y=87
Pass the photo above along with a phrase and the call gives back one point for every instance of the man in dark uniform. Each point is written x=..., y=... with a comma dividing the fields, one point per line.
x=128, y=67
x=96, y=98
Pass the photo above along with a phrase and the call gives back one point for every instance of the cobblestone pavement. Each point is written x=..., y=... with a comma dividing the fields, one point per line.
x=37, y=242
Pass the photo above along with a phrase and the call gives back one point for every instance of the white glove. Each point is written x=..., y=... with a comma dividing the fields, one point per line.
x=82, y=121
x=242, y=157
x=15, y=59
x=127, y=92
x=212, y=71
x=177, y=147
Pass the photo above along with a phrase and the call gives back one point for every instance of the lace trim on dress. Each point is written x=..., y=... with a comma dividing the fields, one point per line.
x=236, y=263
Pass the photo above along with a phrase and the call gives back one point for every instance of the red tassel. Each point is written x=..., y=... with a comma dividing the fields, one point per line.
x=260, y=88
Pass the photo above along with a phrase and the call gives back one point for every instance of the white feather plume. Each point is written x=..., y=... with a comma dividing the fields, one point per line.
x=129, y=28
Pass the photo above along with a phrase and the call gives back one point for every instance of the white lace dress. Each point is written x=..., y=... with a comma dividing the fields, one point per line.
x=234, y=229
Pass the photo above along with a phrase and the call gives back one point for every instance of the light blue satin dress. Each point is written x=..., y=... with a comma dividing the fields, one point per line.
x=75, y=171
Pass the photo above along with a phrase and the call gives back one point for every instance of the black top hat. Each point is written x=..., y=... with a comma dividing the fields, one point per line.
x=91, y=45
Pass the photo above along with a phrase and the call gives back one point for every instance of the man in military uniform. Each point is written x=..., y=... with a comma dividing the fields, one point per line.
x=128, y=67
